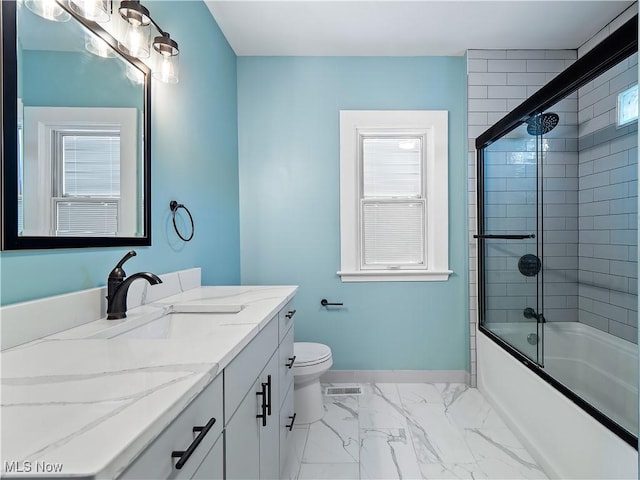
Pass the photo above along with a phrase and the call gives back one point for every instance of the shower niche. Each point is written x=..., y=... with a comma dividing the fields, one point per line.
x=557, y=232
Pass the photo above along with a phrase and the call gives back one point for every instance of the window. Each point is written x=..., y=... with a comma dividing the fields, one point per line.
x=628, y=106
x=393, y=196
x=86, y=186
x=20, y=166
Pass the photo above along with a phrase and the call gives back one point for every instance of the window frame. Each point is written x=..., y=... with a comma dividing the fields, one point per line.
x=432, y=126
x=42, y=123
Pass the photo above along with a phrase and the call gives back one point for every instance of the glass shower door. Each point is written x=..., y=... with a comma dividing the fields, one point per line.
x=508, y=247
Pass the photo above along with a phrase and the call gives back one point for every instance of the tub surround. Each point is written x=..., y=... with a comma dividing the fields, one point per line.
x=91, y=403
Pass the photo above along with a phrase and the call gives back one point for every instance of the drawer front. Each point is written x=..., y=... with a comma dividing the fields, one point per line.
x=156, y=461
x=243, y=371
x=286, y=435
x=285, y=318
x=285, y=355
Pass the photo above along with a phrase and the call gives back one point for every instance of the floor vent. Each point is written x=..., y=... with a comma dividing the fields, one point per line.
x=336, y=391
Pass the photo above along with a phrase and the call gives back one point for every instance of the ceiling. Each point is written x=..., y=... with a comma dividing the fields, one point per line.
x=407, y=28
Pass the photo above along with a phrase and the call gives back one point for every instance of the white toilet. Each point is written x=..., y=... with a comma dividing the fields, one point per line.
x=312, y=360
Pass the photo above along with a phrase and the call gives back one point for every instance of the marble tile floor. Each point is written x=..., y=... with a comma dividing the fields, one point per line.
x=411, y=431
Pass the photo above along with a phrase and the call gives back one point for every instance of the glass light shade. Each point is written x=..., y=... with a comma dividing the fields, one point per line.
x=165, y=60
x=136, y=40
x=49, y=9
x=98, y=46
x=137, y=30
x=96, y=10
x=166, y=67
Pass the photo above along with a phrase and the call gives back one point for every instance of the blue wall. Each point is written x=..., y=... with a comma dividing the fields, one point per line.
x=194, y=161
x=288, y=138
x=76, y=79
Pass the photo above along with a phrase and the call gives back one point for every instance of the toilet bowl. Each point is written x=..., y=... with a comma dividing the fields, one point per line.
x=312, y=360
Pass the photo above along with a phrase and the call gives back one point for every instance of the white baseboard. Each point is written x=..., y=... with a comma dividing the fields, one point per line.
x=396, y=376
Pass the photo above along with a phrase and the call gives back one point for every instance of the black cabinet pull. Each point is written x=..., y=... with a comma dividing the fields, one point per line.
x=290, y=314
x=293, y=419
x=269, y=395
x=292, y=360
x=263, y=406
x=184, y=455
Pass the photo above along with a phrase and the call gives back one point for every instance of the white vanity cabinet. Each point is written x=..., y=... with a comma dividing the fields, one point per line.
x=253, y=437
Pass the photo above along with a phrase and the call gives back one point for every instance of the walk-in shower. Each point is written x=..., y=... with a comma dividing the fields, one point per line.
x=557, y=234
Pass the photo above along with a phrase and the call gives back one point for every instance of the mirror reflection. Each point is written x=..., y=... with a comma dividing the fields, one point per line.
x=80, y=133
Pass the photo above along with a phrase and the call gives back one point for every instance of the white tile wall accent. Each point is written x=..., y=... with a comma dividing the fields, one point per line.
x=608, y=206
x=499, y=80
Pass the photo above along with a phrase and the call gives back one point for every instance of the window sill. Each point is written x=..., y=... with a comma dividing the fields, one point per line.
x=395, y=276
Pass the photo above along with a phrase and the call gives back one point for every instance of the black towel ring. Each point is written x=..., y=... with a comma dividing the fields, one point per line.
x=175, y=206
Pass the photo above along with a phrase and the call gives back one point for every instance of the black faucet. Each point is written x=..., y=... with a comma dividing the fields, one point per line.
x=118, y=287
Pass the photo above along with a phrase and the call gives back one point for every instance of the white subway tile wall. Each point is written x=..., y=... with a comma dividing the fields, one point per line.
x=498, y=81
x=608, y=206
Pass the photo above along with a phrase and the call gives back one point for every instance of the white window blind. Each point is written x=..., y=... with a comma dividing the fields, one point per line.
x=90, y=217
x=91, y=165
x=393, y=233
x=392, y=208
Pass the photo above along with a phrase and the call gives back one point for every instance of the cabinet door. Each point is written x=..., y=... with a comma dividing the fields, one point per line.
x=269, y=442
x=242, y=438
x=212, y=467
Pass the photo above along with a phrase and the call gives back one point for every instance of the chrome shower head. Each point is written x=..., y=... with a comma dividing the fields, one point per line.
x=542, y=123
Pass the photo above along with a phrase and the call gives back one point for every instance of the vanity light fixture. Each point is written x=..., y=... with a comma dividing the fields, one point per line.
x=138, y=28
x=165, y=62
x=49, y=9
x=134, y=40
x=95, y=10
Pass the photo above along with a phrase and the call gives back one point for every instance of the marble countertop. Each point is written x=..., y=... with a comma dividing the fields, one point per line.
x=89, y=400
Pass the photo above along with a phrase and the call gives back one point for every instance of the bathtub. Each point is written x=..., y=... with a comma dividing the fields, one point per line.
x=567, y=441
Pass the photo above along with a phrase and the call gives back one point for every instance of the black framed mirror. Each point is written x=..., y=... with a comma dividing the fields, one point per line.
x=76, y=152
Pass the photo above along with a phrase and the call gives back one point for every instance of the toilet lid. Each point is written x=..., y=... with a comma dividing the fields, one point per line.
x=308, y=353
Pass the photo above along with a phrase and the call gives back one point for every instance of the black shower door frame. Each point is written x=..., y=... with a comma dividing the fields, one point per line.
x=616, y=47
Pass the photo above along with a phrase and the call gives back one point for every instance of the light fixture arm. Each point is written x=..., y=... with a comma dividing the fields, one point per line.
x=160, y=31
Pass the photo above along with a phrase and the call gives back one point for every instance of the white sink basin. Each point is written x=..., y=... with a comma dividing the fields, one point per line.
x=154, y=327
x=157, y=329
